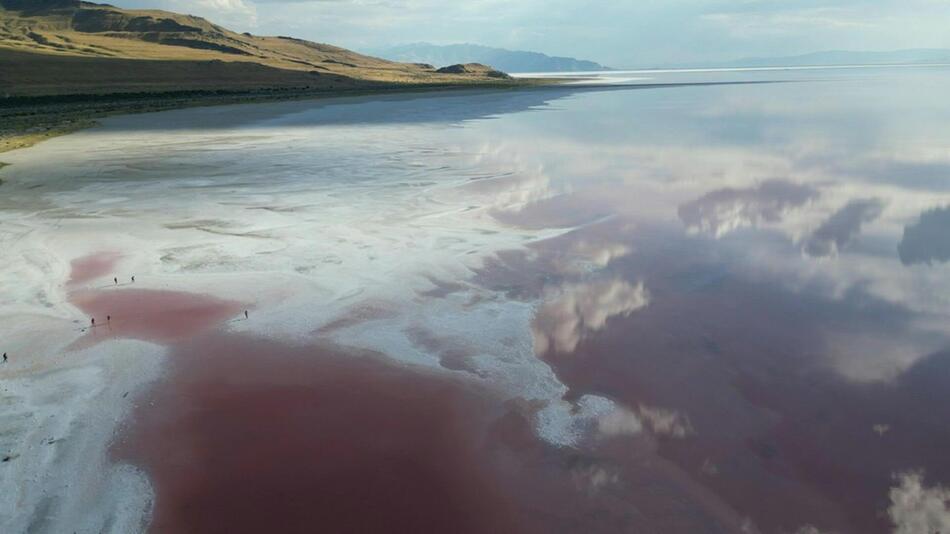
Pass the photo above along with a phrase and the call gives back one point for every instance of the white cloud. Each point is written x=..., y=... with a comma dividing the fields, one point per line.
x=621, y=34
x=918, y=509
x=751, y=24
x=234, y=14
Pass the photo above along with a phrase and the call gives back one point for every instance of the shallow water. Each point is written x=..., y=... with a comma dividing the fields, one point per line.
x=710, y=307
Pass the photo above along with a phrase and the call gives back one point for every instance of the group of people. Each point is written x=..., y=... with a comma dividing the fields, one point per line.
x=109, y=317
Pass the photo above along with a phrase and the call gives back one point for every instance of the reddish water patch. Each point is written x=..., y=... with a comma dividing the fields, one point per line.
x=253, y=436
x=152, y=315
x=92, y=266
x=250, y=436
x=777, y=433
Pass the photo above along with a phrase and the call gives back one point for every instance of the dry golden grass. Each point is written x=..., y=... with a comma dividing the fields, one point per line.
x=66, y=63
x=63, y=49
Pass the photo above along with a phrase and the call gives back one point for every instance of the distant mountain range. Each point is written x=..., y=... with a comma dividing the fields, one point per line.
x=499, y=58
x=843, y=57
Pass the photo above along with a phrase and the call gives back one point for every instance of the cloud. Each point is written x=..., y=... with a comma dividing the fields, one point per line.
x=722, y=211
x=573, y=310
x=751, y=24
x=621, y=34
x=842, y=227
x=234, y=14
x=917, y=509
x=927, y=240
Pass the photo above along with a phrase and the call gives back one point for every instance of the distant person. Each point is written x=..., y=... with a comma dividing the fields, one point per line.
x=4, y=357
x=93, y=321
x=133, y=279
x=108, y=318
x=116, y=280
x=245, y=314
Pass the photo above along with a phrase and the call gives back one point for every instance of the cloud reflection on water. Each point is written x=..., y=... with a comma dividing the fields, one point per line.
x=660, y=421
x=842, y=227
x=927, y=240
x=572, y=310
x=728, y=209
x=757, y=343
x=919, y=509
x=785, y=365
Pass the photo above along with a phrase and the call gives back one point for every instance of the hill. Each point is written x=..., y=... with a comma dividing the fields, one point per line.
x=65, y=63
x=500, y=58
x=67, y=47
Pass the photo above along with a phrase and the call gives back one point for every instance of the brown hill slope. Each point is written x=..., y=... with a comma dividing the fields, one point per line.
x=59, y=47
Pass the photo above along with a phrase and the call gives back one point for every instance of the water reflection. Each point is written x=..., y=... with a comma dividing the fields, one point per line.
x=724, y=210
x=635, y=272
x=660, y=421
x=927, y=240
x=915, y=507
x=573, y=310
x=842, y=227
x=795, y=390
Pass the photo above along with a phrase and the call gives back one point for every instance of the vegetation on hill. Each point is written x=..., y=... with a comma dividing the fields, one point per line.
x=474, y=68
x=64, y=62
x=67, y=46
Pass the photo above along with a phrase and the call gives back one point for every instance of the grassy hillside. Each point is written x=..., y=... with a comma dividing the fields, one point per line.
x=59, y=47
x=64, y=63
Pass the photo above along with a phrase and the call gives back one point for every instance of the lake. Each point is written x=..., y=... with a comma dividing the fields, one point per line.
x=703, y=301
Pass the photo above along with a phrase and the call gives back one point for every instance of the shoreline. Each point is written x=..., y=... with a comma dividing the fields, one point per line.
x=34, y=119
x=48, y=119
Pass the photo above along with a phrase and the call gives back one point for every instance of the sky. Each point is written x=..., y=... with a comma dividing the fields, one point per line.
x=617, y=33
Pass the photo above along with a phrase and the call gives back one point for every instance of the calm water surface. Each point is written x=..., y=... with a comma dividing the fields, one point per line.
x=752, y=277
